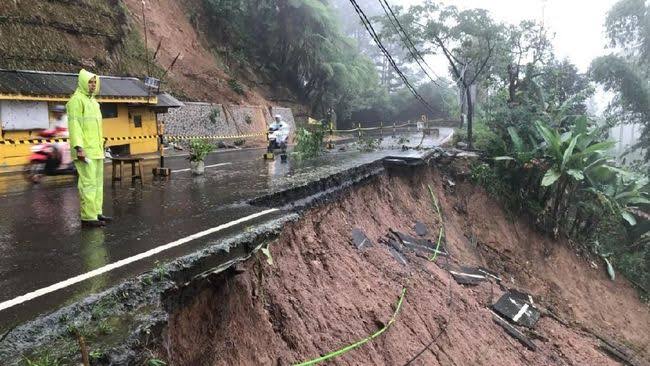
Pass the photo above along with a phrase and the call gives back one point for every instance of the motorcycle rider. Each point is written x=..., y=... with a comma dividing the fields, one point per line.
x=59, y=126
x=86, y=138
x=281, y=131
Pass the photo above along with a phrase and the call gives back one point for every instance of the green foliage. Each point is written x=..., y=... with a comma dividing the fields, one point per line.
x=104, y=328
x=368, y=144
x=96, y=355
x=403, y=140
x=309, y=144
x=632, y=99
x=156, y=362
x=487, y=177
x=199, y=149
x=563, y=176
x=215, y=113
x=160, y=271
x=627, y=73
x=102, y=308
x=236, y=86
x=239, y=142
x=628, y=27
x=299, y=44
x=44, y=360
x=484, y=139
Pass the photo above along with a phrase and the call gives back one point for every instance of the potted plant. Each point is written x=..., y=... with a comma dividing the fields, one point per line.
x=199, y=149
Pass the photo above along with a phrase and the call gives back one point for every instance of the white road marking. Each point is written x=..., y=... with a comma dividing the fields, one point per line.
x=121, y=263
x=207, y=166
x=466, y=275
x=521, y=313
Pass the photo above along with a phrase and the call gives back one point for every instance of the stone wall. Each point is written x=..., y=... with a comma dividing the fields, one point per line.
x=205, y=119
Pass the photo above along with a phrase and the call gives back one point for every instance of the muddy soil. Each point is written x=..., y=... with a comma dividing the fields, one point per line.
x=198, y=73
x=322, y=293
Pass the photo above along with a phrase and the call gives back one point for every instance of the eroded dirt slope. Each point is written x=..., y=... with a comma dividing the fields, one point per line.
x=323, y=293
x=199, y=72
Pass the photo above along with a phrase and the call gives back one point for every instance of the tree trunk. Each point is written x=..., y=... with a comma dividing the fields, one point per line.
x=513, y=76
x=562, y=186
x=470, y=117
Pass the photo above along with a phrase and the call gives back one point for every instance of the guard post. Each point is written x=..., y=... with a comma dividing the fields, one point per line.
x=330, y=144
x=161, y=171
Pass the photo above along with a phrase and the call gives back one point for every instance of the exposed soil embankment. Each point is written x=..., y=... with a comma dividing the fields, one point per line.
x=322, y=293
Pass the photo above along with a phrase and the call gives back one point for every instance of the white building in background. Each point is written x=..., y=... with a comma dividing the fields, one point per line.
x=626, y=136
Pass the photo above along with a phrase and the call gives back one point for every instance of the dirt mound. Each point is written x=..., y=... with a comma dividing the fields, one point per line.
x=322, y=293
x=197, y=73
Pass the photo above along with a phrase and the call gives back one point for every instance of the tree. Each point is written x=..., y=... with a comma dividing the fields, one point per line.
x=527, y=47
x=468, y=39
x=627, y=73
x=299, y=44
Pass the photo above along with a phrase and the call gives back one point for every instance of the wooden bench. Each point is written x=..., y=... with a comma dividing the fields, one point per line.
x=120, y=161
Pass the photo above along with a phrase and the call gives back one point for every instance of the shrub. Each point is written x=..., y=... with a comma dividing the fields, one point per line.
x=199, y=149
x=215, y=113
x=483, y=138
x=309, y=144
x=236, y=86
x=369, y=144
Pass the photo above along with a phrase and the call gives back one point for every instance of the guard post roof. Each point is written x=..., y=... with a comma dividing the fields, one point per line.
x=59, y=86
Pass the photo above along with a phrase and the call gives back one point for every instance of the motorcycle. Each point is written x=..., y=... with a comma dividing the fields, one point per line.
x=49, y=159
x=277, y=140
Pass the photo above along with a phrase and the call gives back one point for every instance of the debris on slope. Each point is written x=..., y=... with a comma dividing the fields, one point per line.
x=327, y=289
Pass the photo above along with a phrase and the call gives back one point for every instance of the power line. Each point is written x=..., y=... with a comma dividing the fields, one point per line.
x=375, y=37
x=410, y=46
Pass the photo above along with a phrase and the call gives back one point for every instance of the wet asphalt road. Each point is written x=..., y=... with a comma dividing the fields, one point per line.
x=41, y=241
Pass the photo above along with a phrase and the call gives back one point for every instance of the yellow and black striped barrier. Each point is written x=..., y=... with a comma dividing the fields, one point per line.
x=382, y=127
x=131, y=138
x=31, y=141
x=213, y=137
x=37, y=141
x=359, y=129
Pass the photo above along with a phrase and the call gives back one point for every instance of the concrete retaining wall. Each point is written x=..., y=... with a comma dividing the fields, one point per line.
x=205, y=119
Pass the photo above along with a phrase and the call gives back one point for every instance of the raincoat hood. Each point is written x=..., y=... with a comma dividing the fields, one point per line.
x=82, y=84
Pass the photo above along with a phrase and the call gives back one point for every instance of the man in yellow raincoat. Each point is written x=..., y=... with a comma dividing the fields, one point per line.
x=87, y=142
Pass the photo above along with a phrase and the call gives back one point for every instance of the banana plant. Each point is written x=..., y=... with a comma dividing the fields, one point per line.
x=572, y=157
x=573, y=154
x=622, y=192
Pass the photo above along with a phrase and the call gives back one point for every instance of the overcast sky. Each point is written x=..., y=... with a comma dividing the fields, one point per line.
x=577, y=25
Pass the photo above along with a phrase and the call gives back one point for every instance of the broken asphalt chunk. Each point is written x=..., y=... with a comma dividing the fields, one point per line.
x=618, y=352
x=421, y=246
x=397, y=255
x=467, y=276
x=514, y=332
x=518, y=308
x=396, y=249
x=360, y=239
x=489, y=273
x=402, y=162
x=420, y=228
